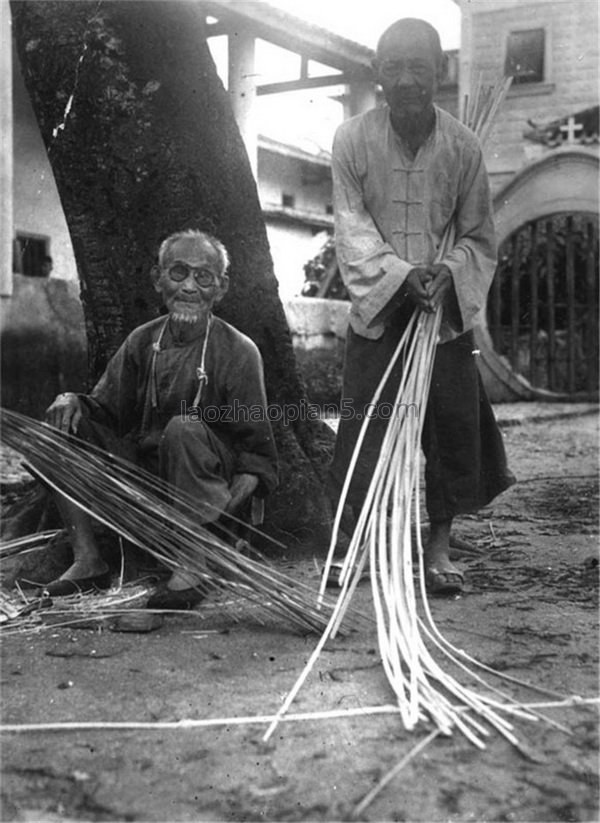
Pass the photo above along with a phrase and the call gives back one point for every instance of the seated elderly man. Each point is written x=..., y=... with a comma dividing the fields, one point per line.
x=139, y=408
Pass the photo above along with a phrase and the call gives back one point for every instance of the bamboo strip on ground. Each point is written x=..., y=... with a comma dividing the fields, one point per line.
x=260, y=719
x=370, y=797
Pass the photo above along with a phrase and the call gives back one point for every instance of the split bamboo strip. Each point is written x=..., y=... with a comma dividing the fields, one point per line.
x=351, y=555
x=400, y=645
x=157, y=518
x=260, y=719
x=370, y=797
x=369, y=711
x=27, y=543
x=236, y=720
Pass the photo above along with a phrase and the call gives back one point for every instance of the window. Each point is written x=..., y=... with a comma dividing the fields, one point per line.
x=31, y=256
x=525, y=56
x=288, y=200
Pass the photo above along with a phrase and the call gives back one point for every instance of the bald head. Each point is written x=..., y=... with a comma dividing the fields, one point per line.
x=411, y=27
x=409, y=65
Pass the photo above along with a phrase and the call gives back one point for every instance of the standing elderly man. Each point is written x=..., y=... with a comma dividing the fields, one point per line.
x=140, y=408
x=401, y=174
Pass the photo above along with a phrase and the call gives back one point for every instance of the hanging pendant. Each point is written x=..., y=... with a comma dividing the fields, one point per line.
x=202, y=381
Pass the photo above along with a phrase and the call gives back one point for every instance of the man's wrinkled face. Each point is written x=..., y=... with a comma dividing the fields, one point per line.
x=408, y=71
x=190, y=281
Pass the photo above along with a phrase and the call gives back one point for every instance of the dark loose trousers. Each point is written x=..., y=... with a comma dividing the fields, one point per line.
x=465, y=458
x=188, y=455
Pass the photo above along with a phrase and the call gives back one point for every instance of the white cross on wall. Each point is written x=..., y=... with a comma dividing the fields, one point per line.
x=570, y=128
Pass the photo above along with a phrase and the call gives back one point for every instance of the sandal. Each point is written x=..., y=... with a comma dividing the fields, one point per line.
x=175, y=600
x=444, y=582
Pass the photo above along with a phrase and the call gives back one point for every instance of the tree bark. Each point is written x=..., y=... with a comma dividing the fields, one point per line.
x=142, y=142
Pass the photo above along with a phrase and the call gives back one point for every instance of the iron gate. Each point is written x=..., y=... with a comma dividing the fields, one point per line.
x=543, y=304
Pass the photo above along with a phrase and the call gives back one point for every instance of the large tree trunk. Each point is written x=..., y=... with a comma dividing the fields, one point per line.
x=142, y=142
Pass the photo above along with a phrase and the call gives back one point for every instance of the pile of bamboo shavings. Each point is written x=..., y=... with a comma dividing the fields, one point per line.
x=383, y=538
x=158, y=518
x=79, y=610
x=28, y=615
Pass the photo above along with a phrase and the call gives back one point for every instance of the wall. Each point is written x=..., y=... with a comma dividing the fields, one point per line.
x=295, y=232
x=42, y=342
x=571, y=72
x=316, y=322
x=308, y=182
x=37, y=207
x=318, y=328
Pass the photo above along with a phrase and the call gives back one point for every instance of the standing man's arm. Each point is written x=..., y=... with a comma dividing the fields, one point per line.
x=471, y=263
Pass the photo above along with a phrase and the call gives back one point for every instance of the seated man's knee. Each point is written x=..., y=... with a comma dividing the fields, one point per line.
x=180, y=434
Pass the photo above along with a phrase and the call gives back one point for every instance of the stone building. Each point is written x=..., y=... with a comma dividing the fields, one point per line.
x=551, y=49
x=294, y=186
x=542, y=156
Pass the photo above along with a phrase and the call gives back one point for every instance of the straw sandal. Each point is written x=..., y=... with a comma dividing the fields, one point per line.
x=64, y=587
x=444, y=582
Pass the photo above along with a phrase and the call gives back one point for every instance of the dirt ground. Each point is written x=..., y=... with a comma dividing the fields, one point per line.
x=530, y=610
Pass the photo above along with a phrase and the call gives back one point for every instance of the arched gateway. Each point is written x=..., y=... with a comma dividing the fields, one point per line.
x=541, y=338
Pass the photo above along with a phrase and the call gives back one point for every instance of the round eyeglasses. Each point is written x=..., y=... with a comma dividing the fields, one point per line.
x=181, y=271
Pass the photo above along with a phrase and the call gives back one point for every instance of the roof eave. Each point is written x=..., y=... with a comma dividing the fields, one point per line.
x=292, y=33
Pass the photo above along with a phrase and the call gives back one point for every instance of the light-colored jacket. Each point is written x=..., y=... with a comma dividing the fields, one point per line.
x=391, y=212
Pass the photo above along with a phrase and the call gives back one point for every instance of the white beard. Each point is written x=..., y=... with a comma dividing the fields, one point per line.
x=186, y=316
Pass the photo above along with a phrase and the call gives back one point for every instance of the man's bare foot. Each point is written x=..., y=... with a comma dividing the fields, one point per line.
x=82, y=569
x=441, y=575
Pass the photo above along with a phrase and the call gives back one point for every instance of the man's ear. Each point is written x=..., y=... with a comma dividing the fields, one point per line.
x=222, y=288
x=375, y=69
x=442, y=68
x=155, y=277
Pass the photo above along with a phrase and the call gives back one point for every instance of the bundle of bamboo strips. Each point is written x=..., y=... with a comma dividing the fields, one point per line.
x=383, y=537
x=156, y=517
